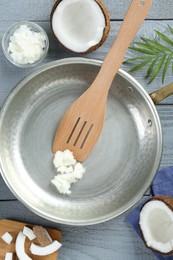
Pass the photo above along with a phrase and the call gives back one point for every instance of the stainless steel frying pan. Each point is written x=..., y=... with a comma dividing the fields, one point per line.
x=120, y=168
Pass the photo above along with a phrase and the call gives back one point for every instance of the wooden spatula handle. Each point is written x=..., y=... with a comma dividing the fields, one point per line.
x=82, y=124
x=135, y=15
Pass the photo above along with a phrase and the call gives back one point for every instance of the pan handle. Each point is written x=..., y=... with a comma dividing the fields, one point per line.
x=162, y=93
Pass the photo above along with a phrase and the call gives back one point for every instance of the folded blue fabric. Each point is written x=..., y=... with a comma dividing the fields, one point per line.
x=162, y=185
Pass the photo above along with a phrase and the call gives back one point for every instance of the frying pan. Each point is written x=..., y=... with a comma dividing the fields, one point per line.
x=118, y=171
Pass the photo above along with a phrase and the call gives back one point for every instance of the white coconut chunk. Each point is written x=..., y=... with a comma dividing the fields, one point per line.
x=71, y=171
x=63, y=159
x=156, y=222
x=61, y=169
x=20, y=247
x=9, y=256
x=28, y=232
x=78, y=24
x=63, y=182
x=58, y=159
x=45, y=250
x=65, y=169
x=68, y=158
x=79, y=169
x=7, y=238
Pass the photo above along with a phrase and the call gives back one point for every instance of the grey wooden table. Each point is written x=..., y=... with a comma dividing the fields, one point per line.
x=113, y=239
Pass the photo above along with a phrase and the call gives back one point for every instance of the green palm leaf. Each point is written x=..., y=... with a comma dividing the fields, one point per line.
x=140, y=65
x=157, y=69
x=164, y=38
x=150, y=69
x=170, y=28
x=155, y=45
x=136, y=58
x=150, y=52
x=147, y=47
x=166, y=66
x=157, y=54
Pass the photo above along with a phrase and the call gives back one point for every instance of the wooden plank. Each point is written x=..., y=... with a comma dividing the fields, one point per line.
x=166, y=118
x=110, y=240
x=40, y=11
x=159, y=10
x=113, y=239
x=5, y=193
x=58, y=52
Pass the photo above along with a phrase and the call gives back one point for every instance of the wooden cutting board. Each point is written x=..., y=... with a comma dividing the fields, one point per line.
x=14, y=227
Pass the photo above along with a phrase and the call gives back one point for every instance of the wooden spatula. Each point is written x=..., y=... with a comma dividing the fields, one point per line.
x=81, y=125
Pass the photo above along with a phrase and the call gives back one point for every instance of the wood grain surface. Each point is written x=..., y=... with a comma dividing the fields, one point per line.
x=13, y=228
x=31, y=10
x=114, y=239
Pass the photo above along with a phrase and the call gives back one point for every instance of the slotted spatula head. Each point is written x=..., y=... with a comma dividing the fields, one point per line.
x=81, y=125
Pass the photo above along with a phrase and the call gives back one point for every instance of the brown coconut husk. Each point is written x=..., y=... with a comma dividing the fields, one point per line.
x=105, y=32
x=169, y=203
x=42, y=235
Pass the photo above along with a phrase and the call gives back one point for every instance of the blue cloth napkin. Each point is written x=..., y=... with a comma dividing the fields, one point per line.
x=162, y=185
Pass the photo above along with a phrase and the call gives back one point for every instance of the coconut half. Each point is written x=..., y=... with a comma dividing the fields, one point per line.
x=156, y=224
x=80, y=25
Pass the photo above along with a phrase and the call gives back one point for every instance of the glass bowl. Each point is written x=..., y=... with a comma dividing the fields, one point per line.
x=10, y=31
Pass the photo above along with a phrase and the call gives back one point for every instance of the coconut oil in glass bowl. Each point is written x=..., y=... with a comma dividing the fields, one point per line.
x=25, y=44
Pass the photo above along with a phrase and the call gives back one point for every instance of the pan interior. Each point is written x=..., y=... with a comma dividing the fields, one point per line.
x=120, y=167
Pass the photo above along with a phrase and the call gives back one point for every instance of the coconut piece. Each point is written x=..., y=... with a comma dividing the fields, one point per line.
x=28, y=232
x=7, y=238
x=42, y=235
x=45, y=250
x=68, y=158
x=80, y=26
x=71, y=171
x=20, y=247
x=9, y=256
x=156, y=224
x=64, y=159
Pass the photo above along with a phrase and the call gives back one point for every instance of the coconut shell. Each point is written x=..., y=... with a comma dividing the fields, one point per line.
x=165, y=199
x=42, y=235
x=105, y=32
x=169, y=203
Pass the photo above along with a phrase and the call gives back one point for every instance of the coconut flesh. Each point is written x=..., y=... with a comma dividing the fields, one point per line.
x=45, y=250
x=79, y=25
x=35, y=249
x=28, y=232
x=156, y=223
x=20, y=247
x=7, y=238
